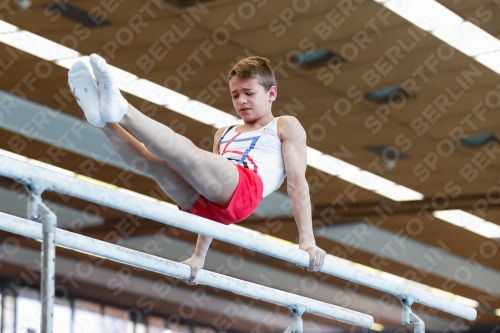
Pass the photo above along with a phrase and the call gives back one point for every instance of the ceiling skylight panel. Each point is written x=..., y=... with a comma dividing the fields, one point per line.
x=490, y=60
x=150, y=91
x=426, y=14
x=468, y=38
x=204, y=113
x=470, y=222
x=37, y=46
x=7, y=27
x=359, y=177
x=399, y=193
x=68, y=62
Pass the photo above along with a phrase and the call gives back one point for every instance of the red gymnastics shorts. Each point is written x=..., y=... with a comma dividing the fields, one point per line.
x=245, y=199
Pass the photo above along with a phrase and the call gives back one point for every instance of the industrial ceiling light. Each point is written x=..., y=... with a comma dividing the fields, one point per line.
x=390, y=155
x=77, y=14
x=23, y=4
x=478, y=140
x=315, y=59
x=388, y=152
x=384, y=95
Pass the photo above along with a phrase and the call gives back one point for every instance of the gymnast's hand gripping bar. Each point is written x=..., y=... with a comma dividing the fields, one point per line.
x=52, y=180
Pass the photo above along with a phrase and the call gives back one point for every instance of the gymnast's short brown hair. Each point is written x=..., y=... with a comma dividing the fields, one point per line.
x=254, y=68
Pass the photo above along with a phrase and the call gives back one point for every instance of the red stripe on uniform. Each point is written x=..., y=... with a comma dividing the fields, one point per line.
x=227, y=144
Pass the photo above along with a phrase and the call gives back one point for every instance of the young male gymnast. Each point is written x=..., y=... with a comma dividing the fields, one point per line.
x=248, y=162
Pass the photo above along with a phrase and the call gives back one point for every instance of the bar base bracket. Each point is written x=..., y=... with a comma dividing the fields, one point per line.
x=296, y=326
x=408, y=317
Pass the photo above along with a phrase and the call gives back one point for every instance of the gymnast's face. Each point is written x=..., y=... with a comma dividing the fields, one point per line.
x=251, y=101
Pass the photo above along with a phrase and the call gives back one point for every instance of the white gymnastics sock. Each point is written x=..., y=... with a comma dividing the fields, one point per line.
x=83, y=87
x=113, y=105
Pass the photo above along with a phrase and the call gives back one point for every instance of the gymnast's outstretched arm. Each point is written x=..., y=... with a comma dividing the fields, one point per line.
x=294, y=151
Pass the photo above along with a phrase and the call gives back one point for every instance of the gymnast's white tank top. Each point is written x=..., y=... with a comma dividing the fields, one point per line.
x=258, y=150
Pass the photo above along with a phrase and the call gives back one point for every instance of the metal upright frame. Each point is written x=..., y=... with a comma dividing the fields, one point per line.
x=49, y=226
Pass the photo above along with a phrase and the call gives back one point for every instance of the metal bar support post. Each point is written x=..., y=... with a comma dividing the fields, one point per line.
x=49, y=225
